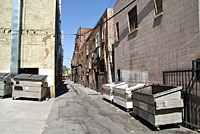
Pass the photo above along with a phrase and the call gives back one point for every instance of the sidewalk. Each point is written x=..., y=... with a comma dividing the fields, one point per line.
x=23, y=116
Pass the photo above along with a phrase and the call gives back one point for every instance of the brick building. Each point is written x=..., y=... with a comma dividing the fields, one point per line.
x=101, y=51
x=154, y=36
x=150, y=40
x=95, y=54
x=30, y=39
x=77, y=59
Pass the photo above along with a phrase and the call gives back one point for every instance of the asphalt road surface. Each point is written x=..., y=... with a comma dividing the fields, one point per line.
x=83, y=111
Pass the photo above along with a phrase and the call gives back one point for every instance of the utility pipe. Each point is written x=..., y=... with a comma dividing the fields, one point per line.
x=15, y=37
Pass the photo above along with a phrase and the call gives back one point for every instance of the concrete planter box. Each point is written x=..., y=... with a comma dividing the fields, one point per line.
x=159, y=105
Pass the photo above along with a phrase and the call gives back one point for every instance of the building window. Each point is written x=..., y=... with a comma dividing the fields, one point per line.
x=158, y=6
x=118, y=75
x=87, y=50
x=99, y=52
x=103, y=30
x=103, y=33
x=97, y=40
x=117, y=31
x=89, y=64
x=132, y=16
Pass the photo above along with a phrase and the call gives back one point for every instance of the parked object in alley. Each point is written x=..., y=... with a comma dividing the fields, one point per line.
x=122, y=94
x=108, y=90
x=30, y=86
x=5, y=84
x=159, y=105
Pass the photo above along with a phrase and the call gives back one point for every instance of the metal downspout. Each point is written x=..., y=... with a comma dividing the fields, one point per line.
x=15, y=37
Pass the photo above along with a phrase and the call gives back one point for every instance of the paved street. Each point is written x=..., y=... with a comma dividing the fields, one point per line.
x=23, y=116
x=83, y=111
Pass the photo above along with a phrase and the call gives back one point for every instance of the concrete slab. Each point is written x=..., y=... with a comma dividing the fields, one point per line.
x=23, y=116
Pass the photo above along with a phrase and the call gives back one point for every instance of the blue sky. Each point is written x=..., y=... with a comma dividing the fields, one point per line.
x=76, y=13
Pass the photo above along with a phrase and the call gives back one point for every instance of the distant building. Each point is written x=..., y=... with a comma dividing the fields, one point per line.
x=92, y=63
x=99, y=61
x=76, y=63
x=30, y=39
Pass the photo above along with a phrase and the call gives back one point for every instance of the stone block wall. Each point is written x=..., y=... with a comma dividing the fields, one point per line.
x=168, y=42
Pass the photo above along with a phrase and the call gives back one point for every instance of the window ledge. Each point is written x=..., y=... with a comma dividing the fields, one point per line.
x=135, y=30
x=158, y=15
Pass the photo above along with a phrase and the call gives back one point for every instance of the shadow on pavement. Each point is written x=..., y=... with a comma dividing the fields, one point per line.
x=153, y=128
x=107, y=101
x=62, y=90
x=28, y=99
x=5, y=97
x=145, y=123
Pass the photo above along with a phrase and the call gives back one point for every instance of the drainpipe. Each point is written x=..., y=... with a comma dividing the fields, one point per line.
x=109, y=74
x=15, y=37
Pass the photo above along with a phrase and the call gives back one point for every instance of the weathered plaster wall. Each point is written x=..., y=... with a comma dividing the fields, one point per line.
x=37, y=38
x=5, y=34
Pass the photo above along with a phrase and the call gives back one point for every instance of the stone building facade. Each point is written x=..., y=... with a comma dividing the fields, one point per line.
x=40, y=49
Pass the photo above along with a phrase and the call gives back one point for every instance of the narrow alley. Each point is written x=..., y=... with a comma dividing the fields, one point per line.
x=83, y=111
x=100, y=67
